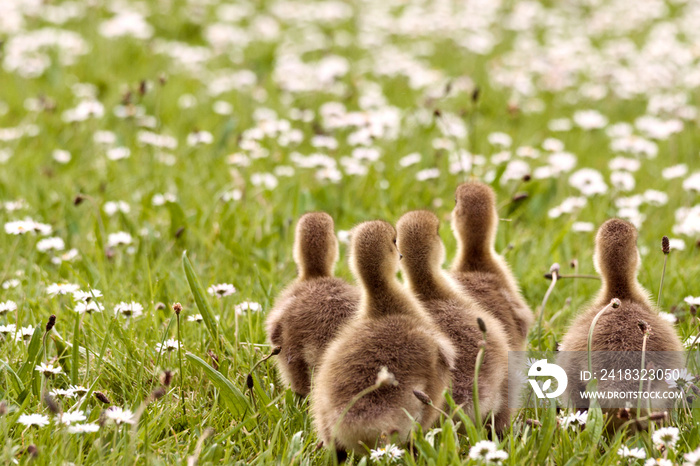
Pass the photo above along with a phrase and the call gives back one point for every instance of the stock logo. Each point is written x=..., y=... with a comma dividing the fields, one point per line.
x=542, y=368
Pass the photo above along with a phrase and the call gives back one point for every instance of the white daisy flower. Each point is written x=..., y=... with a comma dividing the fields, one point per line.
x=38, y=420
x=87, y=296
x=119, y=415
x=50, y=244
x=692, y=458
x=221, y=107
x=410, y=159
x=692, y=183
x=196, y=138
x=497, y=457
x=677, y=244
x=61, y=156
x=668, y=317
x=691, y=341
x=18, y=227
x=527, y=152
x=480, y=450
x=588, y=181
x=266, y=180
x=118, y=153
x=195, y=318
x=48, y=369
x=627, y=452
x=11, y=283
x=119, y=238
x=568, y=206
x=132, y=309
x=62, y=393
x=24, y=333
x=7, y=306
x=21, y=227
x=104, y=137
x=7, y=329
x=70, y=417
x=371, y=154
x=78, y=389
x=88, y=308
x=553, y=145
x=655, y=197
x=221, y=290
x=344, y=236
x=692, y=300
x=428, y=174
x=622, y=180
x=499, y=139
x=162, y=141
x=41, y=228
x=590, y=119
x=675, y=171
x=162, y=199
x=576, y=419
x=67, y=256
x=391, y=452
x=83, y=428
x=233, y=195
x=57, y=289
x=582, y=227
x=530, y=361
x=625, y=164
x=324, y=142
x=679, y=380
x=247, y=306
x=666, y=437
x=658, y=462
x=112, y=207
x=168, y=345
x=11, y=206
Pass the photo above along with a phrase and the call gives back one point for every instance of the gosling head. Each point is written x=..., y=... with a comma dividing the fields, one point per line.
x=374, y=256
x=315, y=245
x=616, y=254
x=474, y=218
x=419, y=240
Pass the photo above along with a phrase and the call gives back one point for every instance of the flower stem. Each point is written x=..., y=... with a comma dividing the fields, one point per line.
x=347, y=409
x=475, y=390
x=614, y=304
x=641, y=380
x=661, y=285
x=477, y=368
x=549, y=276
x=540, y=323
x=182, y=375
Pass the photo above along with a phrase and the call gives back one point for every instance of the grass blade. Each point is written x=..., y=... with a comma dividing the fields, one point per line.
x=62, y=352
x=547, y=434
x=232, y=397
x=200, y=298
x=32, y=352
x=15, y=378
x=76, y=351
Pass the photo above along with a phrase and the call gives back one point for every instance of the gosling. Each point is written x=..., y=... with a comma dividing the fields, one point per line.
x=391, y=331
x=456, y=316
x=620, y=328
x=308, y=314
x=484, y=274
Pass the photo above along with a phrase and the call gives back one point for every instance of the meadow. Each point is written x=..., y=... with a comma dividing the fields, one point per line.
x=159, y=152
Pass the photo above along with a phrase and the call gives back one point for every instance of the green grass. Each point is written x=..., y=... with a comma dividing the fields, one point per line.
x=211, y=413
